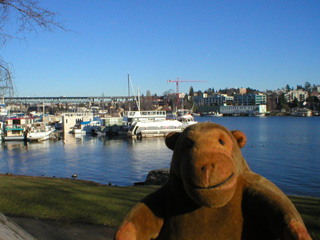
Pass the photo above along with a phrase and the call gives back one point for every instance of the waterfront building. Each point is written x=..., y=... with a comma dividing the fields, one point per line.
x=214, y=99
x=301, y=112
x=218, y=99
x=300, y=94
x=250, y=99
x=208, y=109
x=245, y=110
x=69, y=120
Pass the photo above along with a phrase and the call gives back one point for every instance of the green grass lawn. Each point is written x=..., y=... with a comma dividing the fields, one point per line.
x=88, y=202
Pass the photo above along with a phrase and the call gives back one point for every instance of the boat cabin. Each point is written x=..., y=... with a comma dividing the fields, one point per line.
x=21, y=121
x=154, y=129
x=143, y=116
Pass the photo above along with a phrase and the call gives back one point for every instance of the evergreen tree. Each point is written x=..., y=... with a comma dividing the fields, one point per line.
x=307, y=86
x=296, y=103
x=288, y=88
x=282, y=102
x=191, y=92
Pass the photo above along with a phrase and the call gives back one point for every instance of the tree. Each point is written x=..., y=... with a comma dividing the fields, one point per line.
x=307, y=86
x=191, y=92
x=168, y=92
x=251, y=90
x=295, y=103
x=313, y=102
x=26, y=16
x=282, y=102
x=288, y=88
x=6, y=85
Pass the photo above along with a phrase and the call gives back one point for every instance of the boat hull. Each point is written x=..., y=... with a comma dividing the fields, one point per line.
x=155, y=128
x=39, y=136
x=14, y=138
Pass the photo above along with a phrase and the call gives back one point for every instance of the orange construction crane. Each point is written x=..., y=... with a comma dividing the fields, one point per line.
x=177, y=85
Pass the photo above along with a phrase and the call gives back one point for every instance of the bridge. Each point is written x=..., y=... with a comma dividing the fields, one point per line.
x=63, y=99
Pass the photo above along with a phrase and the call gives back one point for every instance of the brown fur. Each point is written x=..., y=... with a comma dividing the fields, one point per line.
x=212, y=194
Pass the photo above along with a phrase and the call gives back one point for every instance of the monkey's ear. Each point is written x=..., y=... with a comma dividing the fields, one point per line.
x=240, y=138
x=171, y=139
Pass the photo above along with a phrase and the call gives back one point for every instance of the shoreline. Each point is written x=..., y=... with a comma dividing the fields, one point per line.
x=134, y=184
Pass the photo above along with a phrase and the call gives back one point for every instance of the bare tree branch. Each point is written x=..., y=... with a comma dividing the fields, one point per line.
x=24, y=16
x=7, y=86
x=27, y=15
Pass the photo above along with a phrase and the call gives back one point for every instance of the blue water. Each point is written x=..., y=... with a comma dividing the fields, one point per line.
x=286, y=150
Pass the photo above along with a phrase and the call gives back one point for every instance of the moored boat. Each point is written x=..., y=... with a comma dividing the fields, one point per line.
x=14, y=133
x=211, y=114
x=86, y=127
x=15, y=128
x=154, y=129
x=186, y=120
x=39, y=132
x=144, y=116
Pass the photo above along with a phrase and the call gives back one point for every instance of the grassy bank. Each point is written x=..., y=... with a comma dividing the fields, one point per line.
x=88, y=202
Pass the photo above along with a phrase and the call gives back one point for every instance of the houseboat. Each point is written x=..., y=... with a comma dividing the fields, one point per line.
x=14, y=133
x=15, y=128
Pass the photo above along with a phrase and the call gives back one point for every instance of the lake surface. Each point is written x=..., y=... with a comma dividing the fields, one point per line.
x=286, y=150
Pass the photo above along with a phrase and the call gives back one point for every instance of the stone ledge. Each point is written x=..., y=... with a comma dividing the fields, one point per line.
x=156, y=177
x=10, y=230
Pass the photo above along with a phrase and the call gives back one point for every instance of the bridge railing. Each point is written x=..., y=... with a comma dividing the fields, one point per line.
x=63, y=99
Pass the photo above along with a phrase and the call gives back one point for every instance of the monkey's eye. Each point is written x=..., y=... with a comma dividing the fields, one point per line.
x=221, y=142
x=189, y=143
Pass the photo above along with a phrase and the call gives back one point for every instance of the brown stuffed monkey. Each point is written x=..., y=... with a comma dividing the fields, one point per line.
x=212, y=194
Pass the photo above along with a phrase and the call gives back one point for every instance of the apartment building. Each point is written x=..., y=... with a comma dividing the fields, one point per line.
x=250, y=99
x=300, y=94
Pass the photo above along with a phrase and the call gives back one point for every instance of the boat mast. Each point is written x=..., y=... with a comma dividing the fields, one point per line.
x=138, y=103
x=134, y=94
x=129, y=92
x=43, y=111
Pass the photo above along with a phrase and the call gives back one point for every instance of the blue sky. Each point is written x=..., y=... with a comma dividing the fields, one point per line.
x=257, y=44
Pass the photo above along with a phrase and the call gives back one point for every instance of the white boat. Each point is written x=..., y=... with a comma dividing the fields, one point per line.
x=186, y=120
x=212, y=114
x=185, y=117
x=39, y=132
x=86, y=127
x=154, y=129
